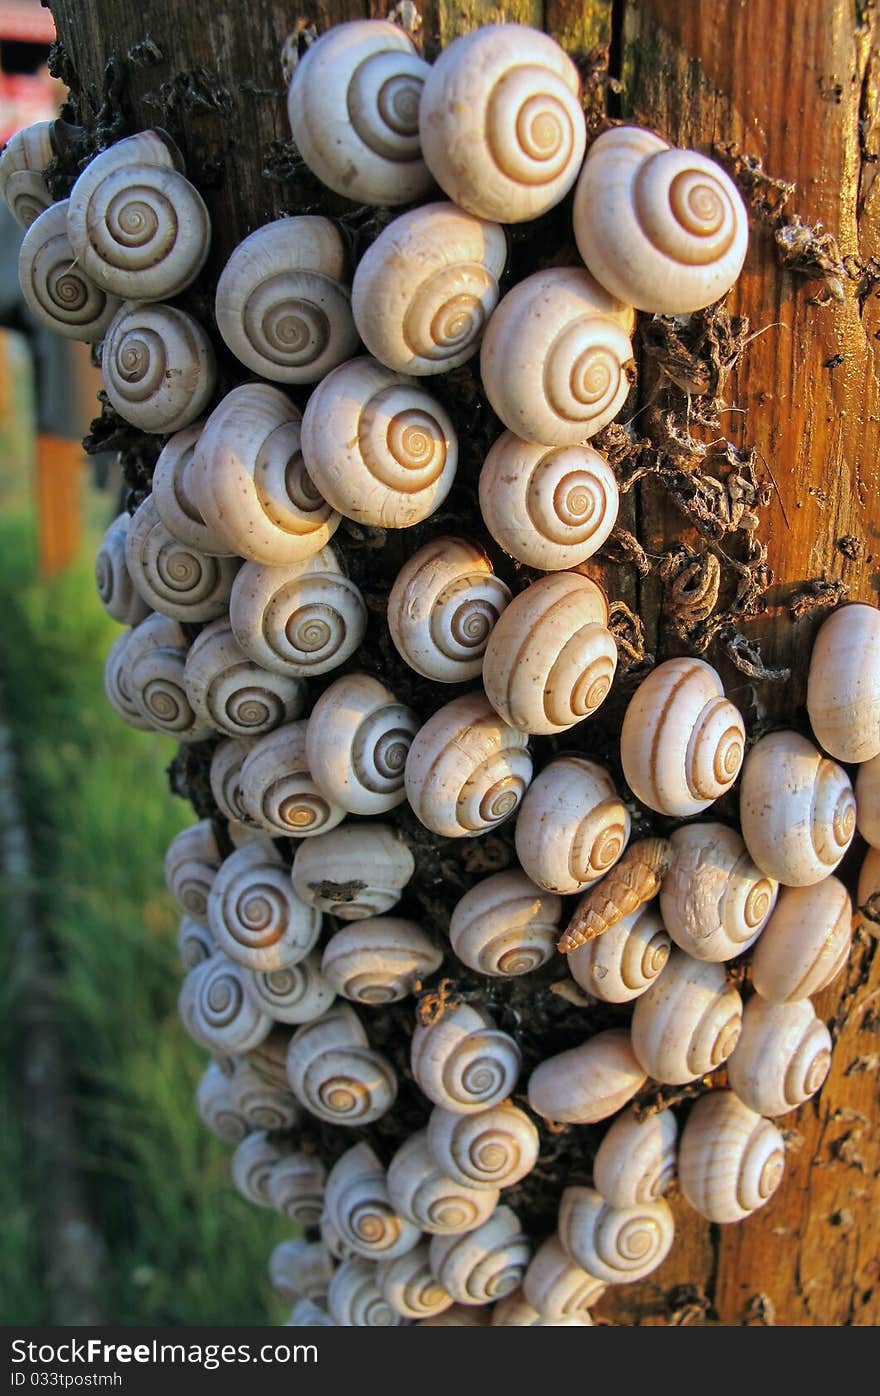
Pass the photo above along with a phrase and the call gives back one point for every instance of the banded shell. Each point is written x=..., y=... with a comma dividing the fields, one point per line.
x=216, y=1011
x=255, y=915
x=174, y=578
x=625, y=960
x=277, y=790
x=295, y=994
x=409, y=1286
x=300, y=1269
x=459, y=1317
x=158, y=367
x=57, y=291
x=357, y=1200
x=782, y=1057
x=589, y=1082
x=484, y=1264
x=191, y=864
x=117, y=592
x=572, y=827
x=264, y=1104
x=357, y=742
x=491, y=1149
x=355, y=1299
x=216, y=1107
x=153, y=677
x=615, y=1244
x=688, y=1021
x=556, y=1287
x=714, y=900
x=233, y=695
x=379, y=960
x=22, y=186
x=334, y=1072
x=118, y=687
x=806, y=942
x=462, y=1062
x=867, y=791
x=195, y=942
x=436, y=1203
x=635, y=1162
x=843, y=684
x=252, y=1164
x=174, y=496
x=227, y=760
x=305, y=1314
x=355, y=871
x=505, y=925
x=730, y=1160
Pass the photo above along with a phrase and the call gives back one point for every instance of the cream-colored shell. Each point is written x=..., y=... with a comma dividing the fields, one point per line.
x=277, y=790
x=334, y=1072
x=174, y=578
x=358, y=1203
x=491, y=1149
x=305, y=1314
x=462, y=1062
x=409, y=1286
x=57, y=290
x=117, y=684
x=194, y=942
x=116, y=591
x=843, y=684
x=227, y=760
x=299, y=619
x=682, y=742
x=378, y=446
x=687, y=1022
x=154, y=663
x=355, y=1299
x=191, y=864
x=232, y=694
x=557, y=358
x=868, y=894
x=379, y=960
x=269, y=1059
x=714, y=900
x=501, y=122
x=615, y=1244
x=252, y=1164
x=255, y=915
x=424, y=290
x=867, y=791
x=295, y=994
x=263, y=1103
x=635, y=1162
x=355, y=871
x=550, y=507
x=442, y=607
x=505, y=925
x=216, y=1011
x=249, y=481
x=806, y=942
x=514, y=1311
x=174, y=497
x=353, y=106
x=589, y=1082
x=797, y=809
x=357, y=742
x=459, y=1317
x=556, y=1287
x=625, y=960
x=438, y=1204
x=484, y=1264
x=301, y=1269
x=782, y=1057
x=572, y=827
x=158, y=367
x=550, y=660
x=466, y=771
x=216, y=1108
x=22, y=186
x=730, y=1160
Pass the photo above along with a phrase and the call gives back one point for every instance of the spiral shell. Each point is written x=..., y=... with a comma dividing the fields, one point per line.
x=334, y=1243
x=442, y=607
x=635, y=1162
x=268, y=1060
x=301, y=619
x=459, y=1317
x=435, y=1203
x=505, y=925
x=300, y=1269
x=378, y=446
x=255, y=915
x=174, y=498
x=615, y=1244
x=305, y=1314
x=572, y=826
x=295, y=994
x=153, y=664
x=171, y=577
x=715, y=902
x=194, y=942
x=491, y=1149
x=355, y=1299
x=587, y=1083
x=252, y=1164
x=355, y=871
x=357, y=1200
x=22, y=186
x=264, y=1104
x=797, y=810
x=232, y=694
x=357, y=741
x=867, y=791
x=335, y=1073
x=466, y=771
x=484, y=1264
x=158, y=367
x=782, y=1057
x=57, y=290
x=424, y=290
x=117, y=684
x=663, y=229
x=277, y=791
x=116, y=590
x=688, y=1021
x=501, y=123
x=730, y=1160
x=556, y=1287
x=624, y=961
x=868, y=891
x=295, y=1188
x=216, y=1011
x=805, y=943
x=216, y=1107
x=139, y=229
x=843, y=684
x=191, y=864
x=462, y=1062
x=227, y=760
x=379, y=960
x=409, y=1286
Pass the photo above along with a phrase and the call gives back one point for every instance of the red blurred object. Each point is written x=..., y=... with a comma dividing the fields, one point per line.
x=26, y=22
x=24, y=100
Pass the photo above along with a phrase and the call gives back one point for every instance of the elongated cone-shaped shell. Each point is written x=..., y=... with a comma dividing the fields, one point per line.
x=355, y=1299
x=624, y=961
x=194, y=942
x=22, y=186
x=616, y=1244
x=252, y=1164
x=56, y=289
x=216, y=1011
x=264, y=1104
x=491, y=1149
x=805, y=943
x=730, y=1160
x=636, y=1160
x=843, y=684
x=277, y=790
x=295, y=994
x=335, y=1073
x=355, y=871
x=459, y=1317
x=301, y=1269
x=353, y=105
x=154, y=661
x=463, y=1062
x=557, y=359
x=424, y=290
x=249, y=481
x=255, y=915
x=868, y=894
x=556, y=1287
x=505, y=925
x=379, y=960
x=191, y=864
x=409, y=1286
x=379, y=447
x=118, y=686
x=158, y=366
x=174, y=497
x=283, y=304
x=300, y=619
x=715, y=901
x=442, y=607
x=216, y=1107
x=501, y=123
x=231, y=693
x=797, y=809
x=867, y=789
x=436, y=1203
x=688, y=1022
x=682, y=743
x=296, y=1189
x=589, y=1082
x=357, y=1201
x=782, y=1057
x=225, y=775
x=466, y=771
x=572, y=826
x=485, y=1264
x=550, y=660
x=550, y=507
x=117, y=593
x=174, y=578
x=664, y=229
x=357, y=742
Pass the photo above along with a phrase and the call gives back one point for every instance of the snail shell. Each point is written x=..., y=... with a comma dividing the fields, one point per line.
x=663, y=229
x=301, y=619
x=174, y=498
x=458, y=1317
x=357, y=1200
x=116, y=590
x=379, y=960
x=353, y=105
x=715, y=902
x=191, y=864
x=625, y=960
x=255, y=915
x=806, y=942
x=492, y=1149
x=442, y=607
x=557, y=358
x=797, y=810
x=296, y=1189
x=139, y=229
x=277, y=790
x=252, y=1164
x=378, y=446
x=216, y=1107
x=300, y=1269
x=268, y=1060
x=462, y=1062
x=549, y=507
x=572, y=827
x=56, y=289
x=782, y=1057
x=331, y=1238
x=635, y=1162
x=232, y=694
x=264, y=1104
x=682, y=743
x=868, y=892
x=117, y=684
x=466, y=771
x=194, y=942
x=843, y=684
x=216, y=1011
x=172, y=577
x=409, y=1286
x=484, y=1264
x=615, y=1244
x=730, y=1160
x=355, y=871
x=867, y=790
x=249, y=481
x=295, y=994
x=283, y=306
x=514, y=1311
x=305, y=1314
x=423, y=291
x=435, y=1203
x=357, y=742
x=505, y=925
x=550, y=660
x=225, y=776
x=501, y=122
x=687, y=1022
x=355, y=1299
x=22, y=186
x=589, y=1082
x=154, y=663
x=335, y=1073
x=556, y=1287
x=158, y=367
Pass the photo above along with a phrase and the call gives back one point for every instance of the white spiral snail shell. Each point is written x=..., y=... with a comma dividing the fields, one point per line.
x=216, y=1011
x=195, y=942
x=431, y=1200
x=117, y=683
x=409, y=1286
x=589, y=1082
x=730, y=1160
x=117, y=593
x=805, y=943
x=252, y=1164
x=56, y=289
x=22, y=186
x=174, y=498
x=355, y=1299
x=505, y=925
x=216, y=1108
x=625, y=960
x=158, y=366
x=191, y=864
x=782, y=1057
x=335, y=1074
x=173, y=578
x=715, y=902
x=358, y=1203
x=277, y=790
x=556, y=1287
x=687, y=1022
x=295, y=994
x=227, y=760
x=255, y=915
x=305, y=1314
x=572, y=827
x=491, y=1149
x=484, y=1264
x=635, y=1162
x=357, y=742
x=300, y=1269
x=155, y=679
x=379, y=960
x=296, y=1189
x=462, y=1062
x=843, y=684
x=615, y=1244
x=264, y=1104
x=355, y=871
x=232, y=694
